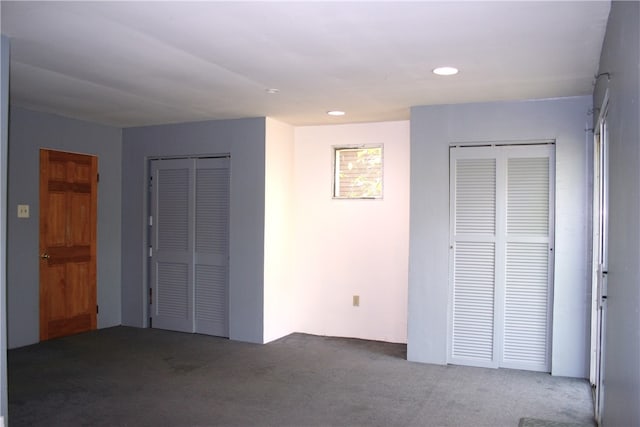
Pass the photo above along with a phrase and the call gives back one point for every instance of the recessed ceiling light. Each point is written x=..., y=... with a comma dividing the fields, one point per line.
x=272, y=90
x=445, y=71
x=335, y=113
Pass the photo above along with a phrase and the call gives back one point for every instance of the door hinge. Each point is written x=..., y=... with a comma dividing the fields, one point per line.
x=150, y=220
x=150, y=296
x=151, y=322
x=97, y=309
x=150, y=251
x=98, y=178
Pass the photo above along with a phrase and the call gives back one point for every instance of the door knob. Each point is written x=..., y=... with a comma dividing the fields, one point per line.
x=45, y=256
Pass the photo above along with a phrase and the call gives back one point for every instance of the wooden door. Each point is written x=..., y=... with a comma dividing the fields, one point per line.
x=68, y=210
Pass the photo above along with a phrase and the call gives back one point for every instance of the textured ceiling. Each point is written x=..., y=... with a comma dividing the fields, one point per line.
x=141, y=63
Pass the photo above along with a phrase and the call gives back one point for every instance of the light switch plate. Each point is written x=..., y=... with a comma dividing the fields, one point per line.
x=23, y=211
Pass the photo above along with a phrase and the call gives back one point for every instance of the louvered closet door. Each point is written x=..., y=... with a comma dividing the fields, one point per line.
x=212, y=247
x=501, y=258
x=473, y=203
x=172, y=244
x=190, y=245
x=528, y=257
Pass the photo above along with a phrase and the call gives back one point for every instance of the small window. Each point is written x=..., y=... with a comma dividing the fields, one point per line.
x=357, y=172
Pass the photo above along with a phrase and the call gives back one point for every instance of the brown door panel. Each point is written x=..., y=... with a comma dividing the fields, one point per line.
x=68, y=209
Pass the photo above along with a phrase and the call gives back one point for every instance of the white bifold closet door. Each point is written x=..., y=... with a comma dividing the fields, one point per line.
x=189, y=229
x=501, y=256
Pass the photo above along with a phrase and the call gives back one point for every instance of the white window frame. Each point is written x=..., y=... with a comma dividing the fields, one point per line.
x=335, y=186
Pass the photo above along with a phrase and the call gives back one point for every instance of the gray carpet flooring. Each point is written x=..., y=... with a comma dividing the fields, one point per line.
x=147, y=377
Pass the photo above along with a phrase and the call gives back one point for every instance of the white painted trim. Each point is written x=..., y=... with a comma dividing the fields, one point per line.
x=599, y=235
x=464, y=144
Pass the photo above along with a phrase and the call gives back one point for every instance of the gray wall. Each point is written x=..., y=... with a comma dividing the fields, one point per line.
x=621, y=57
x=28, y=132
x=4, y=116
x=244, y=140
x=433, y=128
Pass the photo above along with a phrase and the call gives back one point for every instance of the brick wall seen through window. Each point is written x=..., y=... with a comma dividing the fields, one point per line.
x=358, y=172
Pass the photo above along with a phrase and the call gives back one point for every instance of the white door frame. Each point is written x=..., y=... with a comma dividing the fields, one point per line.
x=599, y=257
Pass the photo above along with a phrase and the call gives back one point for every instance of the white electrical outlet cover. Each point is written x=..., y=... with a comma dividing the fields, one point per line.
x=23, y=211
